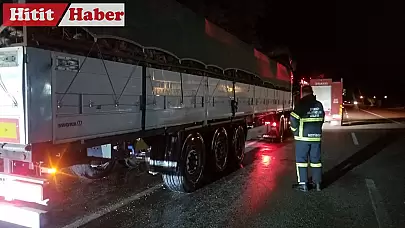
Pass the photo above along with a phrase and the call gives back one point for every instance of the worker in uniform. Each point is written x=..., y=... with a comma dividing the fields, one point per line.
x=306, y=123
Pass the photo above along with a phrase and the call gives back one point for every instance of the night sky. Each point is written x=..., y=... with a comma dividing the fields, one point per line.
x=359, y=41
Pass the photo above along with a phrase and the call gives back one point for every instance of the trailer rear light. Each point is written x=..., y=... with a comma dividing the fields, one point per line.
x=273, y=124
x=48, y=170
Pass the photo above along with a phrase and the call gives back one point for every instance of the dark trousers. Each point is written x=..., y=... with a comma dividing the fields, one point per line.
x=303, y=150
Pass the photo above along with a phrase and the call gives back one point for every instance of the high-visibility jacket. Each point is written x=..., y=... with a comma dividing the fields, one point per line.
x=307, y=119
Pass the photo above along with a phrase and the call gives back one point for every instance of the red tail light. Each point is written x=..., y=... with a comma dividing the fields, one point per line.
x=273, y=124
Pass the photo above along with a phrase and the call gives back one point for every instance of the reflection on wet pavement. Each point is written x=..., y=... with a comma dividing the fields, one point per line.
x=257, y=195
x=224, y=203
x=260, y=194
x=261, y=180
x=77, y=197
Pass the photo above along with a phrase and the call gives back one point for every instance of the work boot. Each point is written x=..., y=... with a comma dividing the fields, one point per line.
x=315, y=186
x=300, y=187
x=318, y=187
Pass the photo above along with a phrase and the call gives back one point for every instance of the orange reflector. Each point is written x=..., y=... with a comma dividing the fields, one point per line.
x=9, y=130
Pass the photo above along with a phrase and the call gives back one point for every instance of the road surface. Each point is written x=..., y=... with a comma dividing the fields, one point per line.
x=363, y=172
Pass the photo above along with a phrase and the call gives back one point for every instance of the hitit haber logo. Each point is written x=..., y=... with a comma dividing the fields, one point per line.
x=63, y=14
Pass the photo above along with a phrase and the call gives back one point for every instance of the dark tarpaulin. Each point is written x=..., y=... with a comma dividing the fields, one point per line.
x=168, y=25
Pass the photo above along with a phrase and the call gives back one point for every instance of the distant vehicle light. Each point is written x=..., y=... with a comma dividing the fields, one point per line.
x=267, y=123
x=355, y=102
x=274, y=124
x=334, y=122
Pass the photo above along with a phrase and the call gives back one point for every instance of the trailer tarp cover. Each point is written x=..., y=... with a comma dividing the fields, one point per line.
x=168, y=25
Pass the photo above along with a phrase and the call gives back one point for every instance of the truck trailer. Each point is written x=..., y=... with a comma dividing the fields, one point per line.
x=88, y=96
x=330, y=94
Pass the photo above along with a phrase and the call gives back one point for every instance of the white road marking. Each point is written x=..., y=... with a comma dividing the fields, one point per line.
x=355, y=141
x=250, y=144
x=374, y=114
x=88, y=218
x=380, y=213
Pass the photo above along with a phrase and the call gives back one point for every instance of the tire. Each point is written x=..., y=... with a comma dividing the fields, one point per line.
x=189, y=174
x=89, y=171
x=238, y=145
x=220, y=149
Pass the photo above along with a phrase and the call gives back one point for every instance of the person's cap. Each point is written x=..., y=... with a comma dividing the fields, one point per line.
x=307, y=89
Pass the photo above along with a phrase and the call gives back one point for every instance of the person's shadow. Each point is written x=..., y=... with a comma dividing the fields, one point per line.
x=332, y=175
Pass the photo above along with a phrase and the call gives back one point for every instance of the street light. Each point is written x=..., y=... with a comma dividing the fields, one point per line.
x=374, y=97
x=361, y=97
x=385, y=97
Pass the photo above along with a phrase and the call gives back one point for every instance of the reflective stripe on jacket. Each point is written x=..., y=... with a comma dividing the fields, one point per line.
x=307, y=119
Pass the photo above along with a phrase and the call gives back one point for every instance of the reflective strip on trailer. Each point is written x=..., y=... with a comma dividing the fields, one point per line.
x=168, y=164
x=14, y=187
x=22, y=216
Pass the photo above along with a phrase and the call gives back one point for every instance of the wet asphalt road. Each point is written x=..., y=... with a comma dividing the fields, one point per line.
x=363, y=170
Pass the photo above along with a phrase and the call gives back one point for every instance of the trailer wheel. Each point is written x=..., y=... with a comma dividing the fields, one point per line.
x=219, y=147
x=238, y=145
x=189, y=174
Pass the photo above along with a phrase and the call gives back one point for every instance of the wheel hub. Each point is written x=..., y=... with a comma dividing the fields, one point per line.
x=239, y=145
x=192, y=162
x=220, y=152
